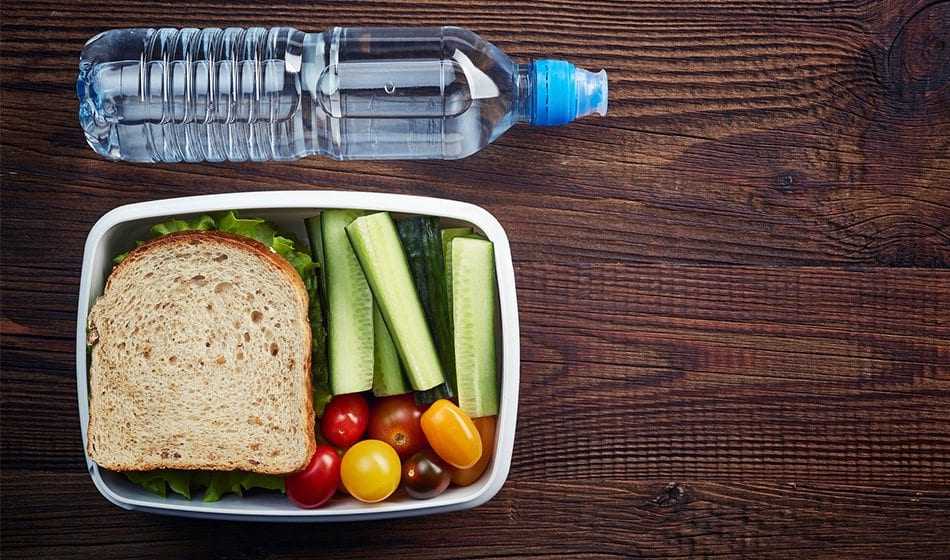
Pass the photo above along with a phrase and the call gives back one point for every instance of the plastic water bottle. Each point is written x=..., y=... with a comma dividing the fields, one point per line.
x=168, y=95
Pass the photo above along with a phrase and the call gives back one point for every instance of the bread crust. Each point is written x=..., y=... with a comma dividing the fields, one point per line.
x=290, y=273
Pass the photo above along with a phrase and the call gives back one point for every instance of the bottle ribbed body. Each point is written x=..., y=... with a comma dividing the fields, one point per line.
x=169, y=95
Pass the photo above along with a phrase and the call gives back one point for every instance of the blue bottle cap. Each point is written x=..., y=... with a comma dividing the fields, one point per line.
x=563, y=92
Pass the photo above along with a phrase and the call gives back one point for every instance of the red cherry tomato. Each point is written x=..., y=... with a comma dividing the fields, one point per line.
x=344, y=419
x=395, y=420
x=313, y=486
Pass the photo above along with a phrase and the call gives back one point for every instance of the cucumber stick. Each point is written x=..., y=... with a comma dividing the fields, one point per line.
x=349, y=307
x=473, y=293
x=318, y=340
x=388, y=378
x=423, y=245
x=448, y=235
x=318, y=330
x=379, y=251
x=315, y=236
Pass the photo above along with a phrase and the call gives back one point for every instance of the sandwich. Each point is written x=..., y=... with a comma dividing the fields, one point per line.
x=201, y=356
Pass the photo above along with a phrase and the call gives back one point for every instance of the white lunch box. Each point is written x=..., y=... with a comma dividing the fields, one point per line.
x=116, y=232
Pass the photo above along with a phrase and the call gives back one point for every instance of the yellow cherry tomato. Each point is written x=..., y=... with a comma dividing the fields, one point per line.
x=486, y=429
x=452, y=434
x=370, y=471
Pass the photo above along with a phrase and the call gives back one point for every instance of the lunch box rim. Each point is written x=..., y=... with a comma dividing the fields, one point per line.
x=93, y=263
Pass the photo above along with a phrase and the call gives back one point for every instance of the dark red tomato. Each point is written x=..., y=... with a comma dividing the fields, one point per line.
x=425, y=475
x=313, y=486
x=395, y=420
x=344, y=419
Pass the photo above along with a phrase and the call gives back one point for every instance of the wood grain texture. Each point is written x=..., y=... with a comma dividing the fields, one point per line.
x=737, y=283
x=612, y=519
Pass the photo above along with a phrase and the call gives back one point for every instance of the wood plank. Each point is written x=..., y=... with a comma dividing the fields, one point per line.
x=732, y=373
x=556, y=518
x=781, y=142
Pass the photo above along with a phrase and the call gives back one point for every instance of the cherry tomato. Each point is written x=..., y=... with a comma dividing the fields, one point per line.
x=371, y=471
x=313, y=486
x=486, y=429
x=452, y=434
x=395, y=420
x=344, y=419
x=425, y=475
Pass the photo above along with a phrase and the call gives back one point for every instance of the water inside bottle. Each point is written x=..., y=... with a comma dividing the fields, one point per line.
x=258, y=94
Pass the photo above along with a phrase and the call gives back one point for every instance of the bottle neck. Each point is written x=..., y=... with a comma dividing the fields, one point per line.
x=523, y=97
x=555, y=92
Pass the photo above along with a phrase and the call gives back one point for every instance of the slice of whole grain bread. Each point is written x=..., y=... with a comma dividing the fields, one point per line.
x=201, y=359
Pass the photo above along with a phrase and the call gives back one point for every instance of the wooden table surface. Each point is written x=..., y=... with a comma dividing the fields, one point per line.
x=734, y=291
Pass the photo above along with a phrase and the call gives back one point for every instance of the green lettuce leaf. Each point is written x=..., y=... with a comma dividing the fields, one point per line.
x=201, y=223
x=121, y=256
x=223, y=483
x=255, y=228
x=321, y=397
x=265, y=232
x=153, y=481
x=179, y=482
x=283, y=245
x=216, y=485
x=237, y=482
x=157, y=482
x=301, y=261
x=303, y=265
